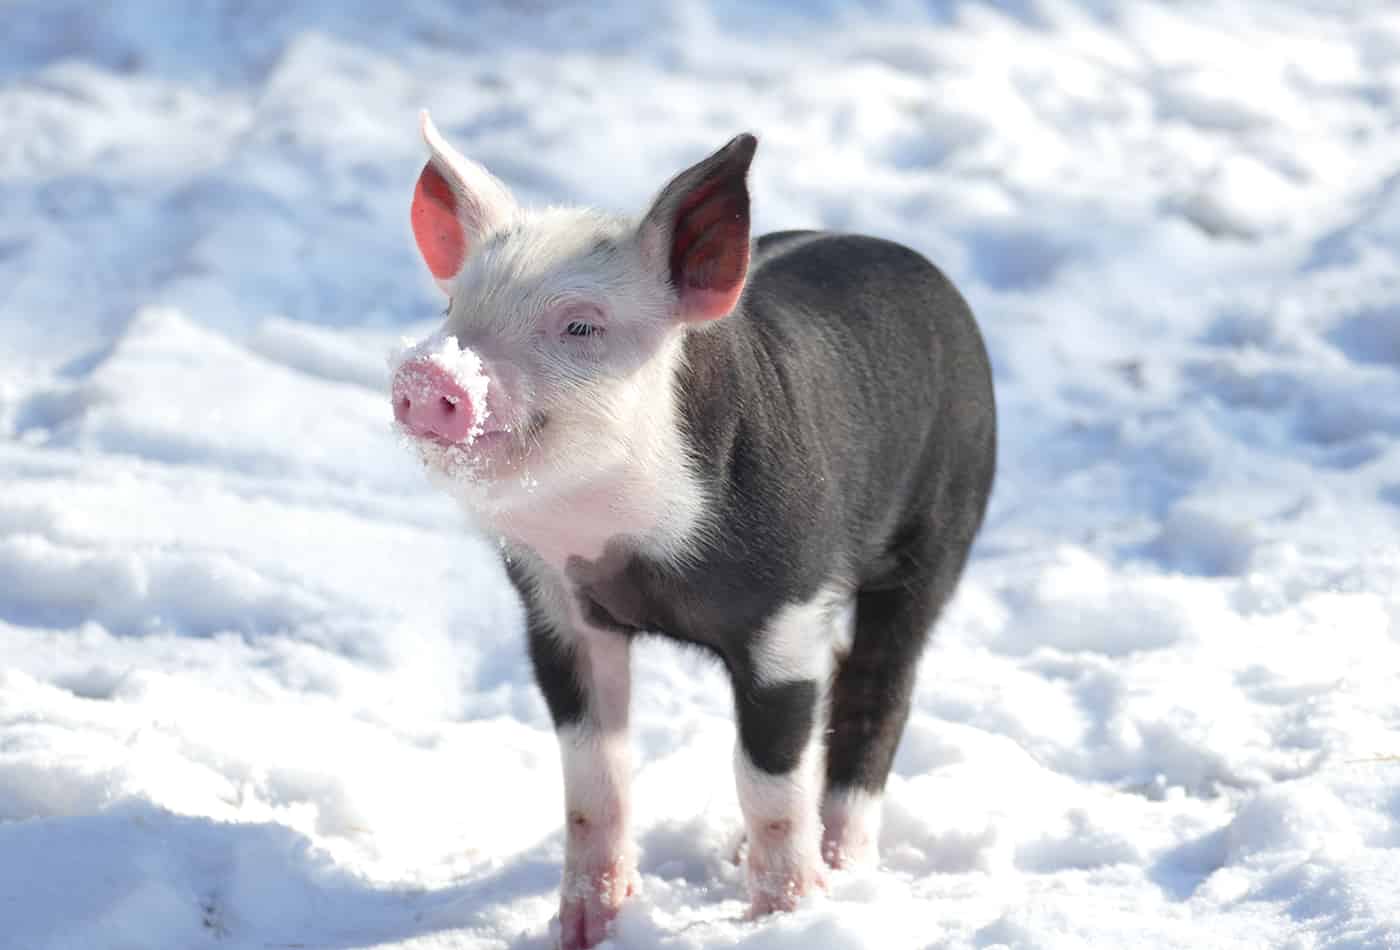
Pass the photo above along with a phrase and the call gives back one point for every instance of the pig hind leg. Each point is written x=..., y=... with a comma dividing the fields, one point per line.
x=872, y=690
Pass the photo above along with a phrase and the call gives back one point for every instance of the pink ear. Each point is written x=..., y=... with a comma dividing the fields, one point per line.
x=436, y=226
x=705, y=213
x=456, y=204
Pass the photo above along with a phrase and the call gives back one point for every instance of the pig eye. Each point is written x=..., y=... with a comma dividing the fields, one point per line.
x=578, y=325
x=582, y=329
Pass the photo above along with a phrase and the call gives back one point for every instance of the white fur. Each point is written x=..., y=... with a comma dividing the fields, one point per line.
x=596, y=758
x=803, y=639
x=619, y=467
x=597, y=773
x=784, y=831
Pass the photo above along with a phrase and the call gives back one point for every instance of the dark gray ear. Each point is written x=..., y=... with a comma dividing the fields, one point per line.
x=697, y=231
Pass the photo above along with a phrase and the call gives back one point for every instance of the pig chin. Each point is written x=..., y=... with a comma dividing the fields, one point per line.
x=484, y=457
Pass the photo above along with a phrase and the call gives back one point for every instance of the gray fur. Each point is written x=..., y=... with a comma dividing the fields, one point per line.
x=844, y=421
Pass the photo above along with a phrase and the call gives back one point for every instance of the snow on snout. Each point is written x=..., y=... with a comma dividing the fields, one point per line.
x=442, y=360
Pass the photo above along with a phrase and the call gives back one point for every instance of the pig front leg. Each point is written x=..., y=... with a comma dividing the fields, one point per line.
x=586, y=683
x=780, y=698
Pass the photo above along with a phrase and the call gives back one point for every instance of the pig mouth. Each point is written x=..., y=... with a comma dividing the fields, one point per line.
x=491, y=444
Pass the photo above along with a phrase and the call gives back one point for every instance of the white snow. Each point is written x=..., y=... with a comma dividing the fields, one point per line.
x=259, y=687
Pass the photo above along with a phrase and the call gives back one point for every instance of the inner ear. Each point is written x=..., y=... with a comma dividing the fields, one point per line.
x=437, y=226
x=702, y=219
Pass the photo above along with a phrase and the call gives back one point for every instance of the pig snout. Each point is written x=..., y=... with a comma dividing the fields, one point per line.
x=429, y=403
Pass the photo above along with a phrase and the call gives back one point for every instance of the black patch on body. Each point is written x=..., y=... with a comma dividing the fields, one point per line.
x=843, y=420
x=775, y=723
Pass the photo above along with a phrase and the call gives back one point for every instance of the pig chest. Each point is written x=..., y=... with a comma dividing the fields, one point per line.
x=644, y=569
x=621, y=556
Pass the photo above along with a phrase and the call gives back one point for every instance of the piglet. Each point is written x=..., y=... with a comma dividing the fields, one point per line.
x=778, y=450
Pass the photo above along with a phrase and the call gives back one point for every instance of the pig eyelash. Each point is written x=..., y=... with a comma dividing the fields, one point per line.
x=580, y=328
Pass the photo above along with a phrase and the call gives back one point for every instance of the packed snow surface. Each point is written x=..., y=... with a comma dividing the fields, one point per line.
x=260, y=688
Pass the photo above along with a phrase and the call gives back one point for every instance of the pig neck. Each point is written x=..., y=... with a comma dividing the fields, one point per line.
x=639, y=484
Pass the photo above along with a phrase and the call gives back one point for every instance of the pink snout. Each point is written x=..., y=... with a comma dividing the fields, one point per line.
x=429, y=403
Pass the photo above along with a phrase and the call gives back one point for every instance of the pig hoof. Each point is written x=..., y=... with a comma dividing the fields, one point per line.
x=584, y=924
x=773, y=893
x=845, y=848
x=590, y=904
x=851, y=830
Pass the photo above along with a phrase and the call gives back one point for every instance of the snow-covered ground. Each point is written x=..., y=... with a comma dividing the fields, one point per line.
x=259, y=689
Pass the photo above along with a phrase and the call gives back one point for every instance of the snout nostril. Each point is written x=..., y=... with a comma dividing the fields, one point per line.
x=429, y=403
